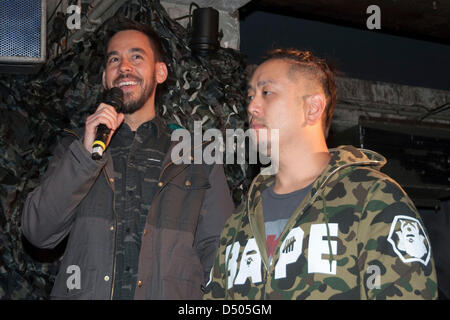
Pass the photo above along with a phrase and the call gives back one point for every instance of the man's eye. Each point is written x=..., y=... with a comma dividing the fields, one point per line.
x=250, y=97
x=113, y=59
x=137, y=57
x=267, y=92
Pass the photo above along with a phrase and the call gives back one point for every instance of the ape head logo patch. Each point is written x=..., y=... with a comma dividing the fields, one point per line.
x=409, y=240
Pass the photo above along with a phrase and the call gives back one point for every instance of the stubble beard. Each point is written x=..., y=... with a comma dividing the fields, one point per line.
x=131, y=105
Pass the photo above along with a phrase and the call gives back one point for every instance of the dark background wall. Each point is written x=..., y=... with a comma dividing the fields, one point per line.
x=357, y=53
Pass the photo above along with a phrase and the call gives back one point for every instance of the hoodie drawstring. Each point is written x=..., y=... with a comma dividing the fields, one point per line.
x=330, y=259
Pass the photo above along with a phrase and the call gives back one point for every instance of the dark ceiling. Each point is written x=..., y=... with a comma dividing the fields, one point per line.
x=420, y=19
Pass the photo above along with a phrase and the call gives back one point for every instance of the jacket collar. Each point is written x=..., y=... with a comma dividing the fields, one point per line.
x=341, y=157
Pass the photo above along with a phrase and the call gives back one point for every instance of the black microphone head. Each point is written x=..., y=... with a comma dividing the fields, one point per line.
x=114, y=97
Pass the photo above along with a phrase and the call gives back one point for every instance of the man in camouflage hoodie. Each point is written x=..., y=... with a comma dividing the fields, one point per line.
x=328, y=224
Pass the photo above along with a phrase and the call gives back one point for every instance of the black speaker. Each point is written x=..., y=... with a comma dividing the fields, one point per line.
x=22, y=35
x=205, y=31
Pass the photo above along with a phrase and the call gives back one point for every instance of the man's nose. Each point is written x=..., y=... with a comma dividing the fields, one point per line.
x=254, y=106
x=125, y=66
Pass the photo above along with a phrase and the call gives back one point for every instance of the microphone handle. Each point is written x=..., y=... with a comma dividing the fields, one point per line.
x=99, y=145
x=113, y=97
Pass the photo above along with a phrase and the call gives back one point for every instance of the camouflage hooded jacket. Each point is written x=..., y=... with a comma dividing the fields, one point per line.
x=356, y=235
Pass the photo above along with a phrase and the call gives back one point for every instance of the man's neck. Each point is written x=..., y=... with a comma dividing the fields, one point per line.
x=299, y=167
x=146, y=113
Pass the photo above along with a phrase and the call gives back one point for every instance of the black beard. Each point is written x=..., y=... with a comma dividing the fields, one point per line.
x=132, y=106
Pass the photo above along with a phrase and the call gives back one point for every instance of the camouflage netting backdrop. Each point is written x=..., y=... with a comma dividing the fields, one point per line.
x=35, y=108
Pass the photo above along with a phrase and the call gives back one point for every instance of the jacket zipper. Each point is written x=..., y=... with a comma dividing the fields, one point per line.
x=115, y=236
x=266, y=268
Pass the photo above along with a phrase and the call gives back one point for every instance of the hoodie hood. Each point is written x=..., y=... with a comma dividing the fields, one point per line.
x=342, y=157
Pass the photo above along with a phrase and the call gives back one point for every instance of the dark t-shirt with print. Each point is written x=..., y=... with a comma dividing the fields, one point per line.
x=277, y=209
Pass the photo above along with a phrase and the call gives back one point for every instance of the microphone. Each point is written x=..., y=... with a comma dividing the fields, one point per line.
x=113, y=97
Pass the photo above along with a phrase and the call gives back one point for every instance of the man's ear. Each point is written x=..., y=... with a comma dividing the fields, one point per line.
x=316, y=108
x=161, y=72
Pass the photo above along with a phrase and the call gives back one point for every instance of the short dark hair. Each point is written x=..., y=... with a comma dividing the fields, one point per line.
x=318, y=68
x=121, y=24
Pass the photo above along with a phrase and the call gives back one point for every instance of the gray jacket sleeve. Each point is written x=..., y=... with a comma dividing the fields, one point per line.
x=49, y=209
x=216, y=208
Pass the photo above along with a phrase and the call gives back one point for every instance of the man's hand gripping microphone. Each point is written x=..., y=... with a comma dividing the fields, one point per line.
x=113, y=97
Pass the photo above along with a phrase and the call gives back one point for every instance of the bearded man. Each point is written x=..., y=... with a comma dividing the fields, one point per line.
x=138, y=226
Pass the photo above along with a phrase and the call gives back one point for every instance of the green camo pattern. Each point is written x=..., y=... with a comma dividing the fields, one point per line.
x=368, y=207
x=35, y=108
